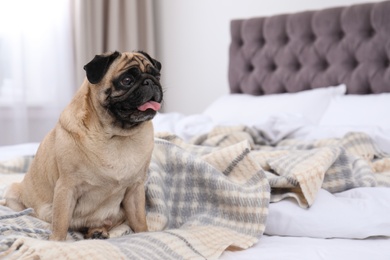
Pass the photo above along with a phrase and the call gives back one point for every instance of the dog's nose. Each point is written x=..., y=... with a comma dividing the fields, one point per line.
x=148, y=82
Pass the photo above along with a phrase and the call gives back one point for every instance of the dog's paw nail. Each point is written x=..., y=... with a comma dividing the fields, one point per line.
x=96, y=235
x=99, y=235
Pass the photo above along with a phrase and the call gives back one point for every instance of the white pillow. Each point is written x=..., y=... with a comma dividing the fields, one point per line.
x=252, y=110
x=358, y=110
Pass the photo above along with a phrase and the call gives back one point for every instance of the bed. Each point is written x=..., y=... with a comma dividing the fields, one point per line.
x=292, y=164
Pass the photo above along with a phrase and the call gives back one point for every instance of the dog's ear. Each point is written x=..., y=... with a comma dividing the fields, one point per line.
x=97, y=67
x=155, y=63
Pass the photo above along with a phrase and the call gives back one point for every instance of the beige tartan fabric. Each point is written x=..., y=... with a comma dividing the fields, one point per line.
x=200, y=201
x=298, y=169
x=211, y=194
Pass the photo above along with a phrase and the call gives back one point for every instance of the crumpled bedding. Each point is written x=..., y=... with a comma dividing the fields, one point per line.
x=211, y=194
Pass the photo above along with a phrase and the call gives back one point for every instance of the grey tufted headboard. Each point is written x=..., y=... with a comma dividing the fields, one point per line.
x=313, y=49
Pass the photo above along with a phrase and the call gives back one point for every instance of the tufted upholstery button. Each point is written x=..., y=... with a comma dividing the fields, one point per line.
x=261, y=42
x=386, y=63
x=341, y=35
x=283, y=40
x=324, y=65
x=272, y=66
x=370, y=33
x=311, y=37
x=297, y=66
x=353, y=63
x=250, y=67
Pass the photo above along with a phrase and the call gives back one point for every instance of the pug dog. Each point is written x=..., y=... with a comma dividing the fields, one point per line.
x=88, y=173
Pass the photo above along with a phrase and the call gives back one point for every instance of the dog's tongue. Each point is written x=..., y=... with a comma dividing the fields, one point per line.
x=150, y=105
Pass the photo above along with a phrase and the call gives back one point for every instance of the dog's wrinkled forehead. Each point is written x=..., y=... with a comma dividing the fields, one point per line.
x=130, y=59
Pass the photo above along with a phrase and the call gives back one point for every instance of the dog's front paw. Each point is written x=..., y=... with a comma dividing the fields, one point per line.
x=95, y=233
x=100, y=234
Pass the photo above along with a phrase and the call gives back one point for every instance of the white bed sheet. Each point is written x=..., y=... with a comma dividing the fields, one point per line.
x=305, y=248
x=357, y=214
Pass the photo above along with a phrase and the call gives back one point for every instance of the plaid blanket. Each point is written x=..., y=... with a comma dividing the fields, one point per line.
x=209, y=195
x=298, y=169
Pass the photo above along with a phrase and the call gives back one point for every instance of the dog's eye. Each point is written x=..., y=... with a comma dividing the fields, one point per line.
x=126, y=81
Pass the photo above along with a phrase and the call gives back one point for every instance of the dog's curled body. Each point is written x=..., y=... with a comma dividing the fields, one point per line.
x=89, y=171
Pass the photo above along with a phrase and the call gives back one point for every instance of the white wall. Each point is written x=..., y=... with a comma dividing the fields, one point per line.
x=193, y=43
